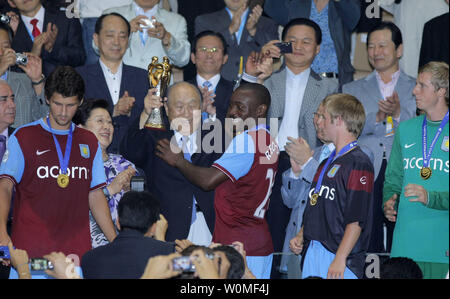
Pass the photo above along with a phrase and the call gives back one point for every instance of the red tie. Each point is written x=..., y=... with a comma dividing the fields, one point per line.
x=36, y=31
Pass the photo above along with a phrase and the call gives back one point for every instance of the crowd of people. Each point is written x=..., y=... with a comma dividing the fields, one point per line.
x=271, y=160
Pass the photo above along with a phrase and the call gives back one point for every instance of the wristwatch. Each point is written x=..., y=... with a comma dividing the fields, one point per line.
x=40, y=81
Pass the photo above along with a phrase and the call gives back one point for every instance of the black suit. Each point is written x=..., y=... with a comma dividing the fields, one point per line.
x=68, y=48
x=220, y=21
x=125, y=258
x=435, y=40
x=134, y=80
x=190, y=9
x=168, y=184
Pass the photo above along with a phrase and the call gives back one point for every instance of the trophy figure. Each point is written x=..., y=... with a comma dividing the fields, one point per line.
x=159, y=75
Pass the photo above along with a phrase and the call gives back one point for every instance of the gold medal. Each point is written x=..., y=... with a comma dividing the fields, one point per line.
x=314, y=198
x=63, y=180
x=425, y=173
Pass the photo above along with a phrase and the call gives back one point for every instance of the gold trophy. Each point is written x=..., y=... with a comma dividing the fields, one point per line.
x=159, y=75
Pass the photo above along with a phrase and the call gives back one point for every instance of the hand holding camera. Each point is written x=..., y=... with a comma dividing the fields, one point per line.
x=160, y=267
x=275, y=49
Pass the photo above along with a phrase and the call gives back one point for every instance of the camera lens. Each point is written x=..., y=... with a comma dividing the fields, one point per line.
x=5, y=19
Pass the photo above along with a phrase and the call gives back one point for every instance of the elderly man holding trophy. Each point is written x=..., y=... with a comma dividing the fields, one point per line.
x=188, y=209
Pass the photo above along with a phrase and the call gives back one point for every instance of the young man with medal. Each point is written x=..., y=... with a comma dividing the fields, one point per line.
x=417, y=177
x=57, y=173
x=338, y=216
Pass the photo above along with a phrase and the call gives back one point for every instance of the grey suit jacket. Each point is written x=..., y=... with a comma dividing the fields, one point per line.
x=368, y=92
x=316, y=90
x=29, y=106
x=295, y=194
x=343, y=16
x=220, y=21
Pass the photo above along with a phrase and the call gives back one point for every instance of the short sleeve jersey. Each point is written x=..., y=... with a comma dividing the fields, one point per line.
x=47, y=217
x=345, y=197
x=251, y=163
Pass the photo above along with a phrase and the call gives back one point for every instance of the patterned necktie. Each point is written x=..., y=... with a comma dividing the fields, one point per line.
x=36, y=31
x=187, y=156
x=2, y=147
x=207, y=84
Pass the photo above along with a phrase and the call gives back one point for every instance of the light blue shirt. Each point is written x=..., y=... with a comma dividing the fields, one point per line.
x=326, y=61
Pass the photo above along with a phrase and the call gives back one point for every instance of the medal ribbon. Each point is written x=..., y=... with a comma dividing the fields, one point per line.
x=427, y=156
x=331, y=159
x=63, y=161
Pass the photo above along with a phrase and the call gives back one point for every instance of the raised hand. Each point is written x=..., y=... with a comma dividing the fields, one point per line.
x=253, y=19
x=124, y=105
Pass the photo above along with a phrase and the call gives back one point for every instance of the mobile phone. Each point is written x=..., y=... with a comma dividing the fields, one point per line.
x=149, y=23
x=183, y=264
x=4, y=252
x=40, y=264
x=253, y=3
x=285, y=48
x=137, y=183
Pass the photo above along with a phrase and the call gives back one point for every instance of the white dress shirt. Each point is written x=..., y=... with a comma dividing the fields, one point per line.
x=295, y=90
x=113, y=81
x=191, y=144
x=214, y=81
x=39, y=16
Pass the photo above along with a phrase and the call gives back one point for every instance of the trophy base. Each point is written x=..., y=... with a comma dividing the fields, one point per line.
x=156, y=127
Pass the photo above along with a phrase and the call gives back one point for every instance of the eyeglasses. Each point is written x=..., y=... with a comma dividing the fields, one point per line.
x=209, y=50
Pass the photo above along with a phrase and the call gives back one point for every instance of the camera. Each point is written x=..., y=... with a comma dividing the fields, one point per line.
x=285, y=48
x=40, y=264
x=5, y=19
x=4, y=252
x=21, y=59
x=148, y=23
x=185, y=264
x=137, y=183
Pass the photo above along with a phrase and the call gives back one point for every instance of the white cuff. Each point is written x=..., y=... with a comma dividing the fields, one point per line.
x=249, y=78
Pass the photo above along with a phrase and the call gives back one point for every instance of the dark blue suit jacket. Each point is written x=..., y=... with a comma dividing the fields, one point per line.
x=168, y=184
x=125, y=258
x=134, y=80
x=68, y=48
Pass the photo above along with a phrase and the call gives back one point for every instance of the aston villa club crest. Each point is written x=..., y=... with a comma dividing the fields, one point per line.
x=444, y=145
x=84, y=150
x=332, y=173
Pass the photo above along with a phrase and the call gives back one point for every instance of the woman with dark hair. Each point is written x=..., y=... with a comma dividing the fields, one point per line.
x=93, y=115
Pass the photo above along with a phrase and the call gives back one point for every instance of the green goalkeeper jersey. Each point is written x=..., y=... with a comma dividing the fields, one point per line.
x=421, y=232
